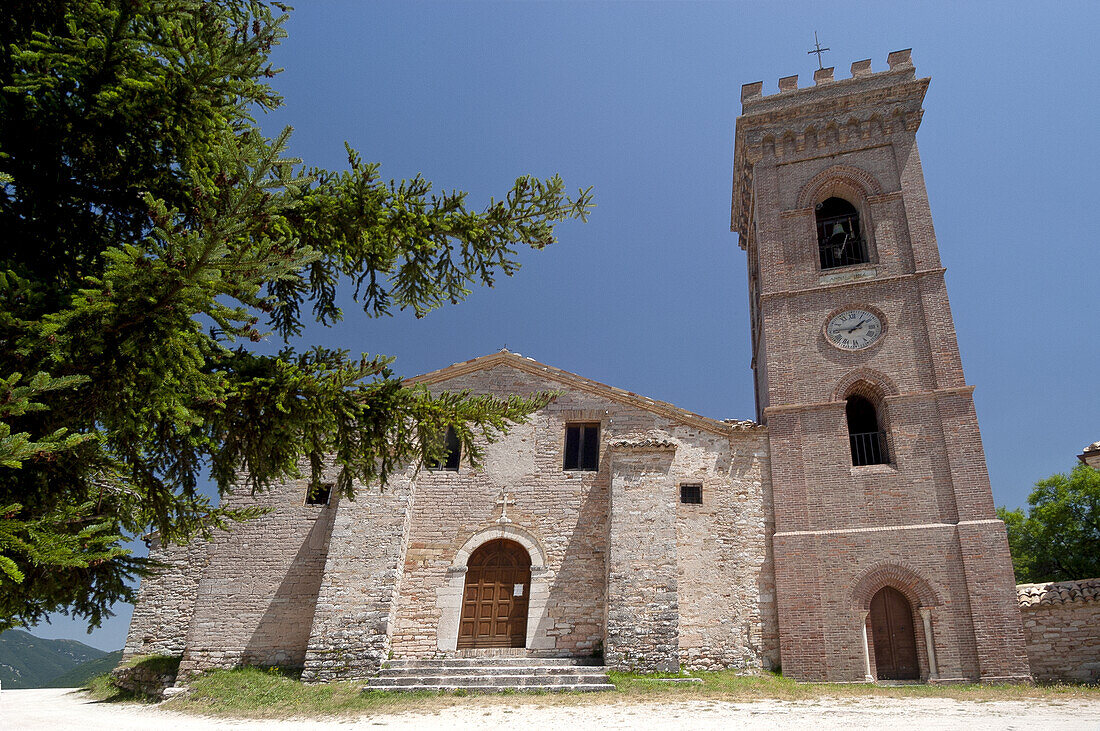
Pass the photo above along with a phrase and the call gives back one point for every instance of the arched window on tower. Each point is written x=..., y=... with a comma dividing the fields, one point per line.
x=839, y=240
x=867, y=440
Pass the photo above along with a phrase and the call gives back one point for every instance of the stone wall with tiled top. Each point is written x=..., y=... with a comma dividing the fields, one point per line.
x=1062, y=629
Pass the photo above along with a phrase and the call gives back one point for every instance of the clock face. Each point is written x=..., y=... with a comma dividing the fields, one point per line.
x=853, y=329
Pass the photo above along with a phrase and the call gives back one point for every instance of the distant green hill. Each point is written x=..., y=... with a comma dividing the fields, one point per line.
x=85, y=671
x=27, y=661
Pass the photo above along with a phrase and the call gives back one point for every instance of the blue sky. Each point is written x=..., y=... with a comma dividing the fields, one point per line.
x=638, y=100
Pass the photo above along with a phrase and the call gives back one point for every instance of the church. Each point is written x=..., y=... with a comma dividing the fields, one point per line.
x=847, y=533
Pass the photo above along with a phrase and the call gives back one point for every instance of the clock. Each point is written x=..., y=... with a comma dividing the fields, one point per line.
x=854, y=329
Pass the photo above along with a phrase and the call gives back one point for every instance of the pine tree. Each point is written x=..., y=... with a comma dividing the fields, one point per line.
x=151, y=235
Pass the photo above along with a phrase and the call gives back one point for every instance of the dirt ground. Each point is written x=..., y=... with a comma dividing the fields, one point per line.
x=53, y=708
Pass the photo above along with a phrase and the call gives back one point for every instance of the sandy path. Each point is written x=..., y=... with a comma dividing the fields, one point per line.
x=52, y=709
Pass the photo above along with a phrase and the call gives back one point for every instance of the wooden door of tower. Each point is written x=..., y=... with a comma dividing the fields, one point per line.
x=894, y=638
x=495, y=599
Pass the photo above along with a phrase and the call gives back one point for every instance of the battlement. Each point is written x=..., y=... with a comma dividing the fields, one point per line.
x=833, y=113
x=898, y=61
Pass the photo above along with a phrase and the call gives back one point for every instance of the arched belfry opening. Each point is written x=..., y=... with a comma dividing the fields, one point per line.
x=495, y=596
x=839, y=240
x=865, y=434
x=893, y=635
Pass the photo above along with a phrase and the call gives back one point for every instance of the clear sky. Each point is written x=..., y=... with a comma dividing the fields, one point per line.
x=638, y=100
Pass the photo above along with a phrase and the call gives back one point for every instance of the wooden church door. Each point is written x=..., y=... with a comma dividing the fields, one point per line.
x=895, y=640
x=495, y=599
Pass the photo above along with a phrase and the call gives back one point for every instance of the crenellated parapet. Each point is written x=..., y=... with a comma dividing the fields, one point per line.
x=829, y=117
x=898, y=61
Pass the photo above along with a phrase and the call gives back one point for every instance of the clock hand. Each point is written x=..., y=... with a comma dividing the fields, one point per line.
x=858, y=326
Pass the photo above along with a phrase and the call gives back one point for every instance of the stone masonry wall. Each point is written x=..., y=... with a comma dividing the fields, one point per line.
x=726, y=581
x=256, y=598
x=643, y=618
x=150, y=678
x=1062, y=629
x=337, y=589
x=166, y=600
x=564, y=518
x=357, y=601
x=561, y=515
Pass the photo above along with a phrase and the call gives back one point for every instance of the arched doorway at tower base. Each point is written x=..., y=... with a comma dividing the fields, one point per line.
x=894, y=636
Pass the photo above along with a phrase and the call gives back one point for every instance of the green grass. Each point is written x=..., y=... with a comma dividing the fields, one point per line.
x=266, y=693
x=730, y=685
x=157, y=664
x=101, y=687
x=269, y=693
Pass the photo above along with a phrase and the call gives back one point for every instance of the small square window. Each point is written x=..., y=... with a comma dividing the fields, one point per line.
x=319, y=495
x=453, y=454
x=691, y=494
x=582, y=447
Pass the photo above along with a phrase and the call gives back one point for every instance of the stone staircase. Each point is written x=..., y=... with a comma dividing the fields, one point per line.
x=492, y=675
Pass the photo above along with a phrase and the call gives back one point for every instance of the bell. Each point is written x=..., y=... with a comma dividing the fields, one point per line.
x=838, y=242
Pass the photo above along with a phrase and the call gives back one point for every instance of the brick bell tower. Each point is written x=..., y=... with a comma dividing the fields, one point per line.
x=890, y=562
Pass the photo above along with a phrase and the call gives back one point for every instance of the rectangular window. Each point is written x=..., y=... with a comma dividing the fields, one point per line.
x=691, y=494
x=319, y=495
x=452, y=455
x=582, y=447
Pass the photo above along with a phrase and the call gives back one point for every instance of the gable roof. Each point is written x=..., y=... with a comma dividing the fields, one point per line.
x=573, y=381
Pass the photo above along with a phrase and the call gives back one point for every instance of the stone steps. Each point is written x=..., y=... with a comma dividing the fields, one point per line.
x=482, y=671
x=478, y=681
x=577, y=688
x=493, y=663
x=493, y=675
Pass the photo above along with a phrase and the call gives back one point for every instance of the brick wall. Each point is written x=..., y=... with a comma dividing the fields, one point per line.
x=1062, y=629
x=928, y=514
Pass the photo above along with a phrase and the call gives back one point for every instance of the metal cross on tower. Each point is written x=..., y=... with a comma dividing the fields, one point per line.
x=818, y=50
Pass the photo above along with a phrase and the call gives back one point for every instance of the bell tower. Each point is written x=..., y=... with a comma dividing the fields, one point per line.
x=889, y=559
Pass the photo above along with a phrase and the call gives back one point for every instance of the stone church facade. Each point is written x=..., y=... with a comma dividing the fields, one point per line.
x=847, y=534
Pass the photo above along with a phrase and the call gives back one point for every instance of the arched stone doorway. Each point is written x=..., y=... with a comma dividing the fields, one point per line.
x=496, y=596
x=449, y=595
x=893, y=635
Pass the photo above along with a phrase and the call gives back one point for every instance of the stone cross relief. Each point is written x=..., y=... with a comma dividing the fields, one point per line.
x=504, y=501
